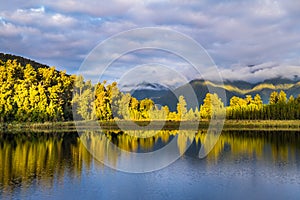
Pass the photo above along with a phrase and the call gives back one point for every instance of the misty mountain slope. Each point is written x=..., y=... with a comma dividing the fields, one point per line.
x=231, y=88
x=200, y=88
x=241, y=84
x=148, y=93
x=146, y=90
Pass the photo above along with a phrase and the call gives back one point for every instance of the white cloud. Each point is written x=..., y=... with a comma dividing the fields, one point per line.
x=38, y=17
x=151, y=73
x=259, y=72
x=10, y=30
x=94, y=8
x=268, y=9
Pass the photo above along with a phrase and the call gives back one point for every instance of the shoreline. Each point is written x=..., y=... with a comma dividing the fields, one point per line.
x=72, y=126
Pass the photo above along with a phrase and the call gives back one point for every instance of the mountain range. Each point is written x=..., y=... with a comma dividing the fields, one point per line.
x=168, y=97
x=162, y=95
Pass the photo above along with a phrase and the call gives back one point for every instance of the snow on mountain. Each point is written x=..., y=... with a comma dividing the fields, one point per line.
x=144, y=86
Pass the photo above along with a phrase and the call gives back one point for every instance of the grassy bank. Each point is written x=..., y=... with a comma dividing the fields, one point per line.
x=155, y=125
x=257, y=124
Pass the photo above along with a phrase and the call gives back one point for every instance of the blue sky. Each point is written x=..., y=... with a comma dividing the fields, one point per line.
x=235, y=33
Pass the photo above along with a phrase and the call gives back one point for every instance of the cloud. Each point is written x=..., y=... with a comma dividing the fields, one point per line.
x=93, y=8
x=38, y=17
x=151, y=73
x=234, y=33
x=258, y=73
x=10, y=30
x=46, y=36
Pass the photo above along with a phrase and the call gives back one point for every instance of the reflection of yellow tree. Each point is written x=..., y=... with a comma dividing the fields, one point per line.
x=181, y=143
x=98, y=145
x=131, y=140
x=26, y=157
x=281, y=153
x=165, y=136
x=209, y=145
x=249, y=145
x=185, y=137
x=237, y=143
x=80, y=156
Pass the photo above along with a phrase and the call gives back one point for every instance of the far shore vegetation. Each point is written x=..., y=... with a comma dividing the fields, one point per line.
x=71, y=126
x=44, y=97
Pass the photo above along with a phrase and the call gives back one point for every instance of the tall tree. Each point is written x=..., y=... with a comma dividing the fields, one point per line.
x=181, y=108
x=212, y=107
x=273, y=98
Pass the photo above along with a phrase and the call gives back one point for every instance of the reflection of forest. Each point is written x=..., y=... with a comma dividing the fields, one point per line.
x=40, y=159
x=261, y=145
x=44, y=159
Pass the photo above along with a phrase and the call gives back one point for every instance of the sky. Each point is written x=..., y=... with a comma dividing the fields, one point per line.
x=249, y=40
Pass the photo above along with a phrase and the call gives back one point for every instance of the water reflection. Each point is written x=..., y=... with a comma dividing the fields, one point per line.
x=271, y=146
x=39, y=159
x=136, y=151
x=31, y=159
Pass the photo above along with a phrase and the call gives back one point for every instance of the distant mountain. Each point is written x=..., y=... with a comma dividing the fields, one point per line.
x=231, y=88
x=148, y=90
x=240, y=84
x=278, y=81
x=151, y=86
x=23, y=61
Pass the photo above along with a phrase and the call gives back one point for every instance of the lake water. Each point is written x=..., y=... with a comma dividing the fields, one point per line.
x=242, y=165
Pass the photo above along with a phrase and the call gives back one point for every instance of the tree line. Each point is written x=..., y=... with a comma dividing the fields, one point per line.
x=42, y=94
x=34, y=94
x=279, y=107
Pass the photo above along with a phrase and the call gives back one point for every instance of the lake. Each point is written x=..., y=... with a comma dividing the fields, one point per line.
x=242, y=165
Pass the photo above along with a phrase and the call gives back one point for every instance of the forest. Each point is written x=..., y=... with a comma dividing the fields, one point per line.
x=30, y=94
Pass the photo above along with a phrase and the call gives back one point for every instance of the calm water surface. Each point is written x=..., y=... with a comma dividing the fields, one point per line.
x=242, y=165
